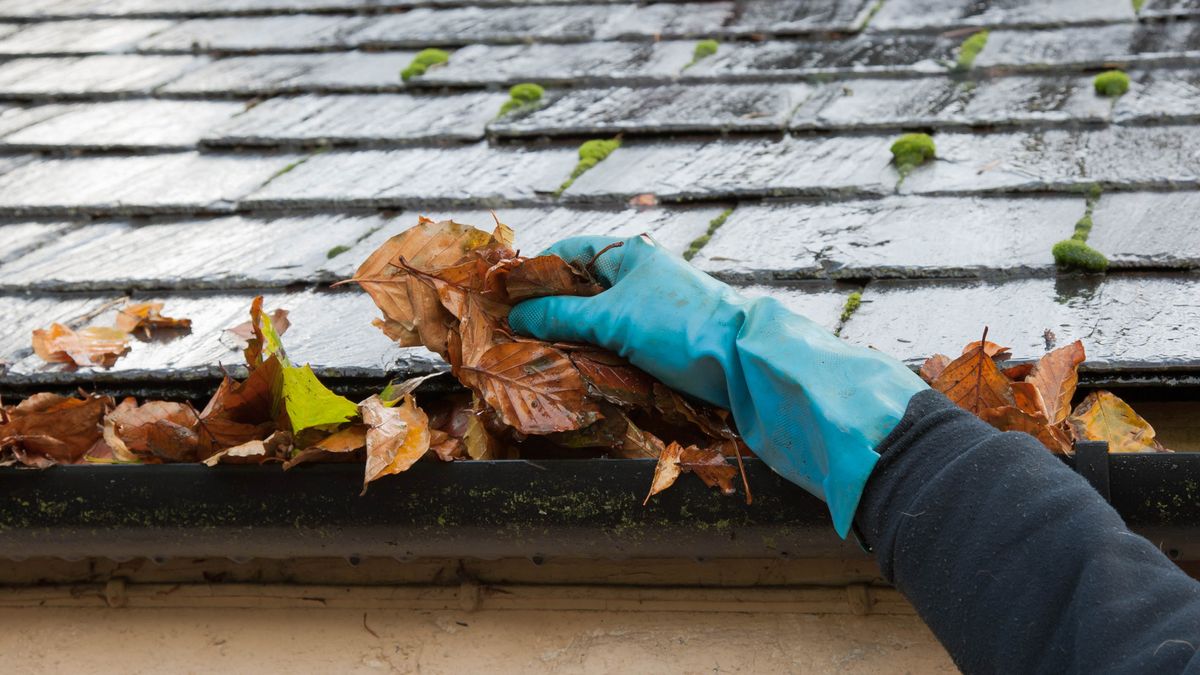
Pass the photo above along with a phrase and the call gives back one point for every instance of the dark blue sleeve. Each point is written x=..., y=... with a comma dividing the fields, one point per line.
x=1014, y=561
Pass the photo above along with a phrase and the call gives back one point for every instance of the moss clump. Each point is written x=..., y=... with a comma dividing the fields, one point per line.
x=1137, y=6
x=852, y=304
x=699, y=242
x=1111, y=83
x=424, y=59
x=912, y=150
x=970, y=49
x=703, y=50
x=336, y=251
x=522, y=95
x=1075, y=254
x=591, y=153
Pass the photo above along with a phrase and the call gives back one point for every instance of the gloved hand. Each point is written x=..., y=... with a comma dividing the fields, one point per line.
x=812, y=406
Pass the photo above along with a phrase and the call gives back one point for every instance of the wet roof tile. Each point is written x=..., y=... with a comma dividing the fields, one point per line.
x=203, y=151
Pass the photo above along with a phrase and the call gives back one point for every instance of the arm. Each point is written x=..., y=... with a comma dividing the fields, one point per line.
x=1013, y=560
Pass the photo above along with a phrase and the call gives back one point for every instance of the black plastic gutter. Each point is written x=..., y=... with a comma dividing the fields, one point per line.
x=560, y=508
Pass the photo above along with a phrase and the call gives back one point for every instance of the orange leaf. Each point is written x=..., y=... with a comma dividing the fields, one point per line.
x=160, y=431
x=710, y=465
x=341, y=442
x=933, y=367
x=533, y=387
x=974, y=382
x=1056, y=376
x=396, y=438
x=1009, y=418
x=547, y=275
x=148, y=317
x=93, y=346
x=47, y=428
x=1104, y=417
x=667, y=471
x=993, y=350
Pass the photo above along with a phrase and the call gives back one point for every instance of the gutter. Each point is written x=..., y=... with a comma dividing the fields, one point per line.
x=499, y=509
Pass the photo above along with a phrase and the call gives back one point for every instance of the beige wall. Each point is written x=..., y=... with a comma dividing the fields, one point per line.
x=458, y=616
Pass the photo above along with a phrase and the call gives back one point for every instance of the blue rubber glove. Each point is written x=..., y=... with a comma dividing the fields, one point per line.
x=812, y=406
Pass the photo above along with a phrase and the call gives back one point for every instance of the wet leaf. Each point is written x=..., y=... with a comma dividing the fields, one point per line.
x=1010, y=418
x=92, y=346
x=974, y=382
x=307, y=403
x=933, y=367
x=993, y=350
x=45, y=429
x=613, y=378
x=156, y=431
x=396, y=438
x=274, y=448
x=147, y=317
x=710, y=465
x=1104, y=417
x=1018, y=372
x=533, y=387
x=1056, y=376
x=666, y=472
x=342, y=442
x=240, y=412
x=547, y=275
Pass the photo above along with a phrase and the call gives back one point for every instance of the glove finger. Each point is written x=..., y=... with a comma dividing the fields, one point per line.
x=561, y=318
x=582, y=250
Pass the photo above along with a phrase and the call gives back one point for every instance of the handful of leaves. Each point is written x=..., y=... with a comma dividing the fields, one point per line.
x=449, y=287
x=1036, y=398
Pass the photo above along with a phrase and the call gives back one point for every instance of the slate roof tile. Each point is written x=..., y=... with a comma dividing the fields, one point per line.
x=753, y=168
x=1127, y=322
x=75, y=77
x=119, y=124
x=892, y=237
x=362, y=119
x=85, y=36
x=949, y=14
x=210, y=180
x=292, y=73
x=300, y=32
x=1126, y=158
x=179, y=183
x=660, y=110
x=490, y=176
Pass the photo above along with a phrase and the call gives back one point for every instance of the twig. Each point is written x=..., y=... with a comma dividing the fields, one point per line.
x=606, y=249
x=737, y=452
x=369, y=628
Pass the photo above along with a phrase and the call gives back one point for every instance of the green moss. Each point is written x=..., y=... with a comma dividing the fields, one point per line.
x=1083, y=228
x=423, y=61
x=336, y=251
x=1075, y=254
x=970, y=49
x=703, y=50
x=912, y=150
x=1111, y=83
x=591, y=153
x=699, y=242
x=852, y=303
x=521, y=96
x=1137, y=6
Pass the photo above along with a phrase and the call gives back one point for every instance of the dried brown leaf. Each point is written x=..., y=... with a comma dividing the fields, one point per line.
x=46, y=429
x=1011, y=418
x=156, y=431
x=666, y=472
x=147, y=317
x=547, y=275
x=974, y=382
x=1056, y=376
x=533, y=387
x=933, y=367
x=396, y=438
x=92, y=346
x=274, y=448
x=1104, y=417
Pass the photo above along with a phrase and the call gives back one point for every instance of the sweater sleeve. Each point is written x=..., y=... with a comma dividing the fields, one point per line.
x=1013, y=560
